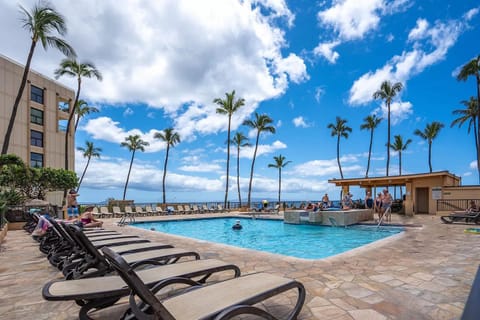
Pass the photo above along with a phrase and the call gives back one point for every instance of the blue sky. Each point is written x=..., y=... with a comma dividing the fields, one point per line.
x=301, y=62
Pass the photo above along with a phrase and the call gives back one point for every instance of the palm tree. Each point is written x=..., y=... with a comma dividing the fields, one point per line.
x=239, y=140
x=132, y=143
x=71, y=67
x=429, y=133
x=262, y=123
x=472, y=68
x=171, y=138
x=387, y=92
x=89, y=152
x=339, y=129
x=42, y=22
x=228, y=106
x=279, y=164
x=400, y=146
x=371, y=123
x=469, y=114
x=81, y=110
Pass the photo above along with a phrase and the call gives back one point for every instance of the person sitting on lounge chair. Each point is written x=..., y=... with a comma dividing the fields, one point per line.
x=473, y=208
x=88, y=220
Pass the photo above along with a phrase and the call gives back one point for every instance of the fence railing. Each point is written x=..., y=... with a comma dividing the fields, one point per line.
x=455, y=205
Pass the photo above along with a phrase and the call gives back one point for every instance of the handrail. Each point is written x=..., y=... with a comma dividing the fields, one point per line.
x=389, y=212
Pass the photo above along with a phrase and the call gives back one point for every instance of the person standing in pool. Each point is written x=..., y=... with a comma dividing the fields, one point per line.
x=237, y=225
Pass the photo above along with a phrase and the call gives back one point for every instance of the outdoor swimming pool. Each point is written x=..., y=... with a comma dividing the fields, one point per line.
x=301, y=241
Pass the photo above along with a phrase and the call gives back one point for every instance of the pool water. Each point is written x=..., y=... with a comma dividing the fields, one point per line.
x=301, y=241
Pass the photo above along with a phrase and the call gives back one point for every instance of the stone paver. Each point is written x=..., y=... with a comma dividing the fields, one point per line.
x=426, y=273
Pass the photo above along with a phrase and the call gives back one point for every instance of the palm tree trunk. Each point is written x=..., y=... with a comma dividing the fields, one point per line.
x=430, y=155
x=251, y=170
x=70, y=117
x=279, y=185
x=238, y=177
x=228, y=162
x=399, y=163
x=477, y=145
x=165, y=173
x=477, y=135
x=128, y=175
x=338, y=156
x=83, y=174
x=8, y=134
x=388, y=139
x=369, y=152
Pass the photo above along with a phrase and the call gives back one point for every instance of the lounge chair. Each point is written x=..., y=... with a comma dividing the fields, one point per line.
x=462, y=217
x=96, y=261
x=139, y=211
x=127, y=214
x=187, y=209
x=196, y=209
x=221, y=300
x=206, y=209
x=159, y=210
x=105, y=213
x=102, y=292
x=180, y=209
x=117, y=212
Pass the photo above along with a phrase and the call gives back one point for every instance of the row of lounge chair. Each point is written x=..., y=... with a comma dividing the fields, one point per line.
x=103, y=212
x=102, y=266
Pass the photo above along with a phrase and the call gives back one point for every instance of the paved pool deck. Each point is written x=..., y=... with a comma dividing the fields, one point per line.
x=424, y=273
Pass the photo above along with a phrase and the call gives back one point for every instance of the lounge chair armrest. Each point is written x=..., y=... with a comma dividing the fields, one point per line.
x=135, y=265
x=174, y=280
x=243, y=309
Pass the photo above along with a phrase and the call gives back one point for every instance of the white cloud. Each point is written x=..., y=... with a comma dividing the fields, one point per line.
x=326, y=50
x=353, y=20
x=419, y=31
x=430, y=44
x=319, y=92
x=399, y=111
x=471, y=13
x=180, y=54
x=473, y=165
x=300, y=122
x=263, y=149
x=128, y=112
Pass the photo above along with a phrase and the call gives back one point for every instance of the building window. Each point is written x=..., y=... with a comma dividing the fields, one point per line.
x=64, y=106
x=36, y=116
x=62, y=125
x=36, y=138
x=36, y=160
x=36, y=94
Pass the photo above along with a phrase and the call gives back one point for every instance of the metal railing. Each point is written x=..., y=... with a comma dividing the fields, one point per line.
x=455, y=205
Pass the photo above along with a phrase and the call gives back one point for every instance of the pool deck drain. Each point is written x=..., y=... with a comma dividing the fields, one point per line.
x=424, y=274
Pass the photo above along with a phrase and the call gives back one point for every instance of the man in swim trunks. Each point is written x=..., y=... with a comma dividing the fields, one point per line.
x=72, y=204
x=386, y=201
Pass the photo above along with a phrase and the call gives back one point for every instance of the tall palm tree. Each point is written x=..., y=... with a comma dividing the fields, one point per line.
x=81, y=110
x=387, y=92
x=470, y=114
x=261, y=123
x=171, y=138
x=429, y=133
x=228, y=106
x=132, y=143
x=279, y=164
x=371, y=122
x=240, y=141
x=339, y=129
x=89, y=152
x=71, y=67
x=42, y=23
x=400, y=146
x=472, y=68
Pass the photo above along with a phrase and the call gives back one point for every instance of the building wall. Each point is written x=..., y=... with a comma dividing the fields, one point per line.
x=54, y=94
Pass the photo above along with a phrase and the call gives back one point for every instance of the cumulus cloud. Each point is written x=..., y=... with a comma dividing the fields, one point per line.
x=352, y=20
x=319, y=92
x=263, y=149
x=179, y=56
x=430, y=44
x=300, y=122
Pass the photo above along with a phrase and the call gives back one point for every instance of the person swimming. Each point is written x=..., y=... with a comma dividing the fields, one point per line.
x=237, y=225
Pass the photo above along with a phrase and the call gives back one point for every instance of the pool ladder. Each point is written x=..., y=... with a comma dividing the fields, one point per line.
x=388, y=213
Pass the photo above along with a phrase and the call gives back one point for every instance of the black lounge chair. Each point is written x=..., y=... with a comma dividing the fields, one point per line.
x=221, y=300
x=95, y=261
x=462, y=217
x=102, y=292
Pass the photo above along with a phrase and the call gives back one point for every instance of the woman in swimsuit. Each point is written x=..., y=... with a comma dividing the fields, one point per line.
x=88, y=220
